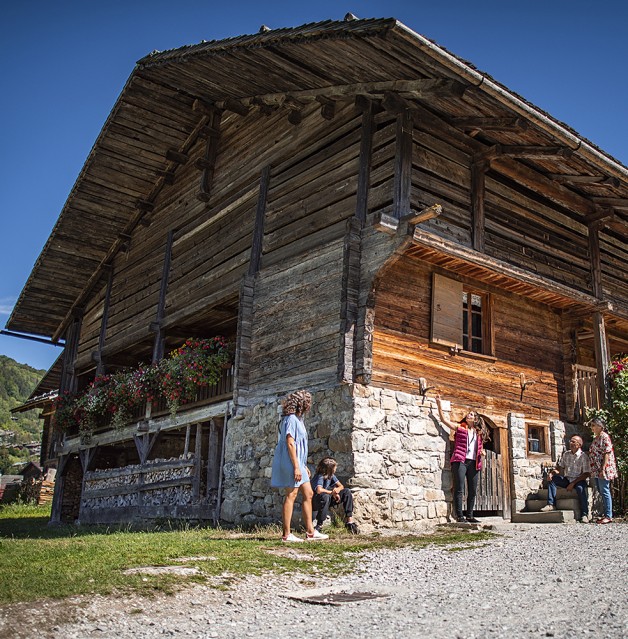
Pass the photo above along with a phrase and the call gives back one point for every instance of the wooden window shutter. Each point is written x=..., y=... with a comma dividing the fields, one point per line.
x=446, y=311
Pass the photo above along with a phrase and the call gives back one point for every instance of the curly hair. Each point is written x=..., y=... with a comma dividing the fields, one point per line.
x=480, y=426
x=327, y=466
x=297, y=403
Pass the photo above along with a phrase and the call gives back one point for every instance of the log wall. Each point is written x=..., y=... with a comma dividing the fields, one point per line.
x=527, y=340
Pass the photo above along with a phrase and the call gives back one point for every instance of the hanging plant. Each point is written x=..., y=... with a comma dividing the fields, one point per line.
x=177, y=378
x=198, y=363
x=65, y=417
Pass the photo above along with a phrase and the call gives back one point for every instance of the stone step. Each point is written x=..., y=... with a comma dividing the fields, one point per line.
x=561, y=493
x=535, y=505
x=551, y=517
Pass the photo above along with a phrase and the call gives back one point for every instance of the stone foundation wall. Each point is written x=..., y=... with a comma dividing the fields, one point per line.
x=402, y=479
x=527, y=472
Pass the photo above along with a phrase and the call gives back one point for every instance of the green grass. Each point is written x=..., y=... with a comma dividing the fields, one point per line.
x=38, y=561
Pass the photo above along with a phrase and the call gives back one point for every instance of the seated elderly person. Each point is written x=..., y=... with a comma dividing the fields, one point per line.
x=571, y=473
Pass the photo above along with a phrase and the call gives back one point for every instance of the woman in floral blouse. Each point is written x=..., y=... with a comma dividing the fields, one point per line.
x=603, y=466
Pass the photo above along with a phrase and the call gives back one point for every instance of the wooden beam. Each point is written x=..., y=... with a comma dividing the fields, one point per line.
x=403, y=165
x=490, y=124
x=542, y=185
x=421, y=89
x=528, y=152
x=208, y=163
x=478, y=181
x=328, y=107
x=615, y=202
x=158, y=344
x=100, y=368
x=584, y=179
x=172, y=155
x=236, y=106
x=366, y=152
x=423, y=215
x=260, y=215
x=594, y=260
x=600, y=344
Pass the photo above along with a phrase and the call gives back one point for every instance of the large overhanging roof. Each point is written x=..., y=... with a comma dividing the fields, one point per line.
x=155, y=116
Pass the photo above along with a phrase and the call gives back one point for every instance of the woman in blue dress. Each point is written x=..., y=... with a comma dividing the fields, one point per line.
x=290, y=470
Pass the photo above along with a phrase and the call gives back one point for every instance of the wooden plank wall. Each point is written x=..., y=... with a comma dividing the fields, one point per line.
x=527, y=340
x=311, y=194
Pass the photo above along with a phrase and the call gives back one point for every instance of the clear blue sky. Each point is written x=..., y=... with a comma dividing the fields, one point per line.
x=63, y=64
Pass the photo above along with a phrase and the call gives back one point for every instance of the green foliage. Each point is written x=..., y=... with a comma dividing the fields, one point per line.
x=615, y=413
x=38, y=561
x=17, y=382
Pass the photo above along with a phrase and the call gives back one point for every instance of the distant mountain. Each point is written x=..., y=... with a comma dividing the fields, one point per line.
x=17, y=382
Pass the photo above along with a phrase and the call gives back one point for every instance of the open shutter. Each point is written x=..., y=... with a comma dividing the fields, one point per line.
x=446, y=311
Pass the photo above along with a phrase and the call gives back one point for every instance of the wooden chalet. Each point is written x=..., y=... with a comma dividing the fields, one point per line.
x=367, y=216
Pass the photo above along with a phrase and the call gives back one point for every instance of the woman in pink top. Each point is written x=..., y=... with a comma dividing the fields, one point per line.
x=466, y=459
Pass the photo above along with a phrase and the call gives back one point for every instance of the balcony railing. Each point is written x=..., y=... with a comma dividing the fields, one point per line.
x=586, y=391
x=220, y=391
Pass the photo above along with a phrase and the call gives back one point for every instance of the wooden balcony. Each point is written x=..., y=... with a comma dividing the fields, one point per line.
x=586, y=391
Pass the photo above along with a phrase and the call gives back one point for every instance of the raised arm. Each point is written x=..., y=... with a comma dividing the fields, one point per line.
x=451, y=425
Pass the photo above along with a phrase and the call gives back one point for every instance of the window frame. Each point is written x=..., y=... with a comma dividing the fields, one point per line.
x=446, y=330
x=545, y=432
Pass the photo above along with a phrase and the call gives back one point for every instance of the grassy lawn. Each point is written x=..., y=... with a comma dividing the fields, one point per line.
x=38, y=561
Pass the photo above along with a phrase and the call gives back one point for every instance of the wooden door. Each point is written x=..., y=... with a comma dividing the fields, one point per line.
x=490, y=493
x=493, y=493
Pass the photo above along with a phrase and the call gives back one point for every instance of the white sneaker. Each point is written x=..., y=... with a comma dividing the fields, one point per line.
x=316, y=535
x=291, y=539
x=547, y=508
x=585, y=519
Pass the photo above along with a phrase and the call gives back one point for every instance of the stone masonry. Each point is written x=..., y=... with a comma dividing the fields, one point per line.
x=390, y=449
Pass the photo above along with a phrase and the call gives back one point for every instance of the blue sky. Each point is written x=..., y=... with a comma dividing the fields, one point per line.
x=63, y=64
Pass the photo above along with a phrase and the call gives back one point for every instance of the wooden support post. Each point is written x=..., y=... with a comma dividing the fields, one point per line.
x=478, y=174
x=213, y=461
x=186, y=448
x=68, y=376
x=594, y=259
x=158, y=344
x=198, y=453
x=366, y=152
x=349, y=310
x=243, y=340
x=403, y=165
x=57, y=498
x=260, y=214
x=100, y=368
x=601, y=355
x=211, y=153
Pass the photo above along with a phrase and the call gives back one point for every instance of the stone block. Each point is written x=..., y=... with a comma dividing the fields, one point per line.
x=404, y=398
x=431, y=511
x=417, y=427
x=340, y=443
x=370, y=419
x=388, y=403
x=388, y=442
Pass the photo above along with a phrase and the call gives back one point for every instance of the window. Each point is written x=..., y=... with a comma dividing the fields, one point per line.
x=537, y=439
x=461, y=316
x=473, y=326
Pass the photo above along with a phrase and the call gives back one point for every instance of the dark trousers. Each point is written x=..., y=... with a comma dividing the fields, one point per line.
x=323, y=502
x=460, y=471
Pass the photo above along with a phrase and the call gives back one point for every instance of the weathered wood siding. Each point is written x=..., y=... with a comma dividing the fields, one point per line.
x=311, y=193
x=527, y=340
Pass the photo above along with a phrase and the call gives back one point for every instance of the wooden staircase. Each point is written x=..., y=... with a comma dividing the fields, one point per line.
x=567, y=508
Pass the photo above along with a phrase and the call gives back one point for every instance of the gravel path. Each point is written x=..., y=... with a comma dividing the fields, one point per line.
x=535, y=581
